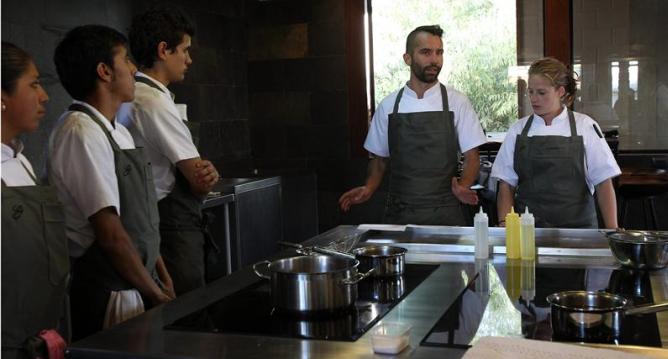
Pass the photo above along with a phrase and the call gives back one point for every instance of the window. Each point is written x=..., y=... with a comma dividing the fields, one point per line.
x=620, y=47
x=480, y=43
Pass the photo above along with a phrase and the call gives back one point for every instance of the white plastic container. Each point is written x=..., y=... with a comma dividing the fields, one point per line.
x=390, y=338
x=481, y=226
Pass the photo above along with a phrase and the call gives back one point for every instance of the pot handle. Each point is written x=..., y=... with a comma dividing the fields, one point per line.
x=357, y=277
x=646, y=309
x=257, y=272
x=332, y=252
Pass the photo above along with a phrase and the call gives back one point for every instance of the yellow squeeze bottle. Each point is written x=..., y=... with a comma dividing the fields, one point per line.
x=512, y=235
x=527, y=236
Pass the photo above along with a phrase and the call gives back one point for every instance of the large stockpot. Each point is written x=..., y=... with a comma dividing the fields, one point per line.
x=387, y=260
x=315, y=283
x=639, y=249
x=593, y=317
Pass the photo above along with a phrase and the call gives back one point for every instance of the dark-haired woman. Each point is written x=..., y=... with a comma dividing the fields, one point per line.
x=35, y=262
x=553, y=160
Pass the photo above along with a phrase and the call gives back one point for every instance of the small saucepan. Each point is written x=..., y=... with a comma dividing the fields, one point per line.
x=592, y=317
x=387, y=260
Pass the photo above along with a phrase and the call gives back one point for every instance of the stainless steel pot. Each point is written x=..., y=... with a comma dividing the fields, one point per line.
x=387, y=260
x=382, y=290
x=593, y=317
x=312, y=283
x=639, y=249
x=307, y=326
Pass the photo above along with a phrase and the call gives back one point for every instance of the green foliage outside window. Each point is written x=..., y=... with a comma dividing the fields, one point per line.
x=480, y=46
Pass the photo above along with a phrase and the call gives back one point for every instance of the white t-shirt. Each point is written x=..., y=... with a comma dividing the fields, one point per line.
x=81, y=167
x=467, y=124
x=14, y=173
x=155, y=124
x=600, y=164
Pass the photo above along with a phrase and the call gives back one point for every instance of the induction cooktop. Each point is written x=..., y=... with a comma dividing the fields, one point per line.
x=250, y=311
x=509, y=300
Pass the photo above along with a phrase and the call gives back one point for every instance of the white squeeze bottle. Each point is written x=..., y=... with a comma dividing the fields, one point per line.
x=527, y=236
x=481, y=226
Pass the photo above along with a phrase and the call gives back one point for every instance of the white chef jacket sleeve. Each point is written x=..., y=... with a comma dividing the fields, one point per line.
x=376, y=139
x=601, y=163
x=504, y=165
x=85, y=161
x=469, y=131
x=163, y=128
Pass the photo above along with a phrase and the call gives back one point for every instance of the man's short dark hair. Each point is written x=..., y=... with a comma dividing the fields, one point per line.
x=164, y=23
x=79, y=53
x=431, y=29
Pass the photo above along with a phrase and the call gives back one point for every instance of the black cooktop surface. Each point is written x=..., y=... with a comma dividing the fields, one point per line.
x=510, y=300
x=250, y=311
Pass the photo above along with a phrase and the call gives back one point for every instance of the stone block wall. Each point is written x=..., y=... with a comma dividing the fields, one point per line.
x=215, y=87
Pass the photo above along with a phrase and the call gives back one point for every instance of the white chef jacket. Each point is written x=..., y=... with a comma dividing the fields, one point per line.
x=14, y=173
x=467, y=124
x=81, y=167
x=155, y=124
x=600, y=164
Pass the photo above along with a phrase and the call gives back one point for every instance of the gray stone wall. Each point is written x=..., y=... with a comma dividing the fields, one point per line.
x=215, y=88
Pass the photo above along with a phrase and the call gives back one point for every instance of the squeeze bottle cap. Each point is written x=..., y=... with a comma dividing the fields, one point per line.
x=512, y=213
x=527, y=217
x=480, y=215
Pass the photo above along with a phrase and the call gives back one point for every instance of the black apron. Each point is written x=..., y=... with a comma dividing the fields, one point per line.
x=93, y=276
x=183, y=230
x=424, y=153
x=35, y=264
x=552, y=179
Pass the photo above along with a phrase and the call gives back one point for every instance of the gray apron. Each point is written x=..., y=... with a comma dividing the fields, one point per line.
x=552, y=180
x=93, y=275
x=424, y=153
x=183, y=230
x=35, y=264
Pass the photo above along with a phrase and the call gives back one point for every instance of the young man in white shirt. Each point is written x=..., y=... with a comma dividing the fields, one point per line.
x=101, y=179
x=420, y=130
x=160, y=40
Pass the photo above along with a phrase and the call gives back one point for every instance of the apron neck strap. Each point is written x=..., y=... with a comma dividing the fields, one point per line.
x=527, y=126
x=148, y=82
x=571, y=122
x=96, y=119
x=28, y=172
x=444, y=97
x=396, y=101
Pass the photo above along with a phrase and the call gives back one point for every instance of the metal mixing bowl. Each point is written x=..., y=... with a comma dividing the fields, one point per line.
x=640, y=249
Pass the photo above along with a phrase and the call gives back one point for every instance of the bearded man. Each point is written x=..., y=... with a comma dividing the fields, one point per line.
x=419, y=132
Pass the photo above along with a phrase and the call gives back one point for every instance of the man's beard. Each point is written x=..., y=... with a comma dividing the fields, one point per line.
x=421, y=74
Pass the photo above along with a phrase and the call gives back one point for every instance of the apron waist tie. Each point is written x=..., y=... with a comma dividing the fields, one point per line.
x=203, y=227
x=55, y=344
x=208, y=238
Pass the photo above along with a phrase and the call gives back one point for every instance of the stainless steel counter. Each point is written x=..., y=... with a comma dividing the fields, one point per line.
x=451, y=247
